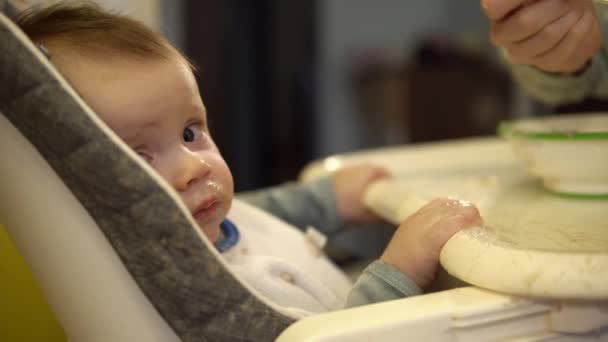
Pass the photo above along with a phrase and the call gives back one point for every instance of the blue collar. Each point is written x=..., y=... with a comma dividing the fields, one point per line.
x=230, y=236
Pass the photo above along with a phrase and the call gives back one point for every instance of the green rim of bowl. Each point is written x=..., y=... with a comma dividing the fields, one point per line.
x=579, y=196
x=507, y=129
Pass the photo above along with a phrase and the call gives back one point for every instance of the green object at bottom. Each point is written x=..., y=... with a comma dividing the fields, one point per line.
x=24, y=314
x=572, y=195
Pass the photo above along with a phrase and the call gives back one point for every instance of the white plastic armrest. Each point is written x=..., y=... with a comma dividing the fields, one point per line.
x=464, y=314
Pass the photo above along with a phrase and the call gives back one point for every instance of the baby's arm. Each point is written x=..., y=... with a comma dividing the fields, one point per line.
x=410, y=261
x=299, y=204
x=325, y=203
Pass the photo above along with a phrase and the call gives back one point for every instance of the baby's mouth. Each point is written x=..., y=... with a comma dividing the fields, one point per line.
x=205, y=210
x=209, y=202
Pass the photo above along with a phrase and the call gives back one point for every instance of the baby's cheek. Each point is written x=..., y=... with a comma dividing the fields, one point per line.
x=212, y=232
x=225, y=176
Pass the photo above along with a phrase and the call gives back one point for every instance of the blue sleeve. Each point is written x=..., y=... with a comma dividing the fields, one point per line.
x=300, y=204
x=381, y=282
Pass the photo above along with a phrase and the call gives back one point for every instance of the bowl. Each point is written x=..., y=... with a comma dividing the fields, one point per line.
x=568, y=152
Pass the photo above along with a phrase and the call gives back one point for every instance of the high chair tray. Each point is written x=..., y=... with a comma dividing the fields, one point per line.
x=532, y=242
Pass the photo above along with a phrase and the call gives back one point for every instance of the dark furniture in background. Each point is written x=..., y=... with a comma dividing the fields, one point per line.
x=256, y=61
x=440, y=91
x=257, y=65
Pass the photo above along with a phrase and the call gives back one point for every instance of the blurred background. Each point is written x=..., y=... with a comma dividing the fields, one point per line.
x=288, y=82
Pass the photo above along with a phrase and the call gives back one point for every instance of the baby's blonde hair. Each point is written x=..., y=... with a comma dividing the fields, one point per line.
x=89, y=30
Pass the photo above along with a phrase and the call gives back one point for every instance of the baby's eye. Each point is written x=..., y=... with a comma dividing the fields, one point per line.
x=192, y=133
x=145, y=155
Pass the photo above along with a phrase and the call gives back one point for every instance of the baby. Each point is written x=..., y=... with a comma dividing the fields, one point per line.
x=145, y=91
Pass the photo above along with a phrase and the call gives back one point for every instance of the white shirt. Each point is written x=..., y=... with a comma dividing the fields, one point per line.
x=283, y=264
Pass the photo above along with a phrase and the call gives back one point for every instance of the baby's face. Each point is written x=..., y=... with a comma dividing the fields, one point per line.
x=155, y=107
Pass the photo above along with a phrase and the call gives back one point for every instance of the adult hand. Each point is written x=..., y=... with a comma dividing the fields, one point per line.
x=553, y=35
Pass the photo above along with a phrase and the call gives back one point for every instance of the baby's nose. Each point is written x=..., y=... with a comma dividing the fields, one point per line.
x=192, y=169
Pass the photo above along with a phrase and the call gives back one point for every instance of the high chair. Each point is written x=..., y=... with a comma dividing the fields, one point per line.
x=117, y=256
x=537, y=294
x=69, y=193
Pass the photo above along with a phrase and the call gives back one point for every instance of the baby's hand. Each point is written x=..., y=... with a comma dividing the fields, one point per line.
x=417, y=243
x=350, y=184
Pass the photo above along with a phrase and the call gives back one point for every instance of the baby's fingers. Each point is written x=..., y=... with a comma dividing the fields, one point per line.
x=448, y=206
x=468, y=210
x=447, y=226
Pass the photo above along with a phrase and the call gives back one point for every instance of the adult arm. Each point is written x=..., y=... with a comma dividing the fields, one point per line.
x=558, y=89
